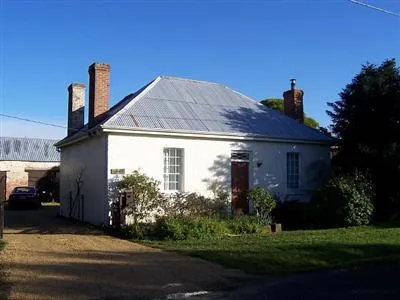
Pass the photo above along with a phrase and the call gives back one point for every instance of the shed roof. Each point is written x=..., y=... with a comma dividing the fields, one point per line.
x=28, y=149
x=182, y=105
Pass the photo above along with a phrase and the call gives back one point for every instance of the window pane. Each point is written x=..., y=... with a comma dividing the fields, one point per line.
x=172, y=168
x=293, y=170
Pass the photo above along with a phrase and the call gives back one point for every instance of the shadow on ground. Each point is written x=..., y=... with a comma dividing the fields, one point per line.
x=51, y=258
x=116, y=275
x=42, y=221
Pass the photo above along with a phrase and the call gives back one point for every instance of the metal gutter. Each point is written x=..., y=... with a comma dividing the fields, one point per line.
x=72, y=140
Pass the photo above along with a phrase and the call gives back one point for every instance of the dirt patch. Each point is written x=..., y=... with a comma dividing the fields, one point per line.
x=49, y=258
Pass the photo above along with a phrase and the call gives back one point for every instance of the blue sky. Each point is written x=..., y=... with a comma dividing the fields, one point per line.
x=254, y=47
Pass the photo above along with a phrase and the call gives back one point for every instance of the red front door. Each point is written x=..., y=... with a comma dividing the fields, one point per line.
x=240, y=186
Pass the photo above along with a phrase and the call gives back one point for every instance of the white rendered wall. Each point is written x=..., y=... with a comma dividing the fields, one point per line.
x=207, y=162
x=88, y=158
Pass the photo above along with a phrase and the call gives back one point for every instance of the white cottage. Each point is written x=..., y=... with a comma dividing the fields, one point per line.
x=192, y=136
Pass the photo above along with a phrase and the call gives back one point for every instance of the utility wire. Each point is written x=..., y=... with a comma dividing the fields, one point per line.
x=375, y=8
x=39, y=122
x=32, y=121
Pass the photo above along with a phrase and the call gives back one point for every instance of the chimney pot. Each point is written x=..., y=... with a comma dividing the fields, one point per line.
x=99, y=91
x=293, y=83
x=293, y=102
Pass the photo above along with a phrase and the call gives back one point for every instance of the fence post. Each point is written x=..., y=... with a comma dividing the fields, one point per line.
x=1, y=218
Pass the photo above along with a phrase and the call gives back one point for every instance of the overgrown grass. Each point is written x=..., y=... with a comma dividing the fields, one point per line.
x=2, y=244
x=295, y=251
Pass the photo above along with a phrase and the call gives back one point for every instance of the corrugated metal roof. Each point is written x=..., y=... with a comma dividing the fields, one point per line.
x=178, y=104
x=28, y=149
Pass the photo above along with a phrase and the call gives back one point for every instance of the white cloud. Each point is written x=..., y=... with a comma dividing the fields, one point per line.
x=19, y=128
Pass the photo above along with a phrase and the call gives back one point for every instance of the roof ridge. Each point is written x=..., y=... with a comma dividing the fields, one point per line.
x=192, y=80
x=211, y=83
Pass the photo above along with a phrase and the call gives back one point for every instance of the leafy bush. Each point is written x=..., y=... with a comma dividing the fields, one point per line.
x=346, y=200
x=146, y=198
x=194, y=205
x=220, y=202
x=171, y=228
x=263, y=202
x=132, y=231
x=200, y=228
x=246, y=224
x=184, y=227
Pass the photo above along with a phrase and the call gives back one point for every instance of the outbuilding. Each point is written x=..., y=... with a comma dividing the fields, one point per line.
x=26, y=162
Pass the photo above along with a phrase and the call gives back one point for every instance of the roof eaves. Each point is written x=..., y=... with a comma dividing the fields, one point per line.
x=80, y=136
x=222, y=135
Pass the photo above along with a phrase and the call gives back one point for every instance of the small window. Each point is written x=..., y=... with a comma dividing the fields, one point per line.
x=173, y=163
x=118, y=171
x=293, y=170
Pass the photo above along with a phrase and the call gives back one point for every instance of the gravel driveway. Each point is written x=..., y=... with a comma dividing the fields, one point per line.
x=49, y=258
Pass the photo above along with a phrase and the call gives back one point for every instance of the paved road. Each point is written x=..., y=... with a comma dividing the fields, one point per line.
x=49, y=258
x=367, y=283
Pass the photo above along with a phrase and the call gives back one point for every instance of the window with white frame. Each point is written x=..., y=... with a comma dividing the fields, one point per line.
x=173, y=169
x=293, y=170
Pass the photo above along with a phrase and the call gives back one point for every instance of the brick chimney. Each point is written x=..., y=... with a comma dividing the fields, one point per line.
x=76, y=107
x=99, y=91
x=293, y=102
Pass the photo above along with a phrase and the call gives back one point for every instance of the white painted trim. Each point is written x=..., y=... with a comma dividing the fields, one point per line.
x=193, y=134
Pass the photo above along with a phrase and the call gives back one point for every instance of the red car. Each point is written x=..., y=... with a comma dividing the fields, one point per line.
x=24, y=196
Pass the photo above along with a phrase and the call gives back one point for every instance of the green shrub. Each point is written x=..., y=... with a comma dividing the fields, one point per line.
x=184, y=227
x=200, y=228
x=137, y=231
x=346, y=200
x=194, y=205
x=146, y=198
x=171, y=228
x=263, y=201
x=246, y=224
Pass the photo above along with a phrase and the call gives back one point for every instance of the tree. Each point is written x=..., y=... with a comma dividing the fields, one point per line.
x=277, y=104
x=366, y=118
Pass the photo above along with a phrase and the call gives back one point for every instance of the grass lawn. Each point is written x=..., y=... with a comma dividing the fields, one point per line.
x=295, y=251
